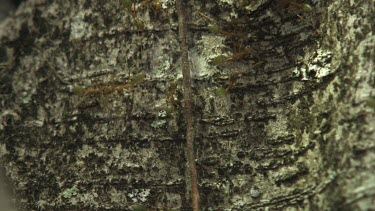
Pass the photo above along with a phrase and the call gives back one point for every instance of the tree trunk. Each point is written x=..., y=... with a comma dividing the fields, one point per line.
x=283, y=105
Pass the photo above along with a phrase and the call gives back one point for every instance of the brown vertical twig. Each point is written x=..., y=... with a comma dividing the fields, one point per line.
x=188, y=105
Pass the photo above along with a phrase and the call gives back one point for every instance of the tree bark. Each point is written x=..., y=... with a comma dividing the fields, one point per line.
x=283, y=105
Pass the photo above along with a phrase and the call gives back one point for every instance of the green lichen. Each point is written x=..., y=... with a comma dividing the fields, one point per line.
x=140, y=208
x=136, y=79
x=307, y=8
x=221, y=92
x=214, y=28
x=158, y=123
x=371, y=103
x=219, y=60
x=78, y=90
x=169, y=110
x=70, y=192
x=127, y=4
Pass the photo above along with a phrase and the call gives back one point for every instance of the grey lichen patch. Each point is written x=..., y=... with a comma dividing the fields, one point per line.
x=139, y=195
x=28, y=79
x=208, y=48
x=317, y=63
x=358, y=189
x=3, y=150
x=229, y=2
x=163, y=62
x=277, y=127
x=89, y=198
x=221, y=105
x=7, y=117
x=173, y=201
x=165, y=65
x=118, y=196
x=287, y=175
x=366, y=90
x=113, y=54
x=255, y=192
x=246, y=192
x=199, y=65
x=85, y=151
x=230, y=8
x=79, y=28
x=254, y=5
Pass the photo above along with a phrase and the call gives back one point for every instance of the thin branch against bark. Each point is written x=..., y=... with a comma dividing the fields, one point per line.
x=188, y=106
x=283, y=132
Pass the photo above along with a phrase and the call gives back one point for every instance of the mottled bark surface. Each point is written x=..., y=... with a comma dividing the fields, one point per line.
x=283, y=105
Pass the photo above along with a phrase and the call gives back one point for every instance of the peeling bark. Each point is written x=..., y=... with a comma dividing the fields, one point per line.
x=283, y=105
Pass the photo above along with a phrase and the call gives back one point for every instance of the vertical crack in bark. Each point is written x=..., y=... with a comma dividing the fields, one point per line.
x=188, y=106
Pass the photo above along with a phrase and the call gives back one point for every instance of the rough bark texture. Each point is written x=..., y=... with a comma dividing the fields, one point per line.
x=283, y=105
